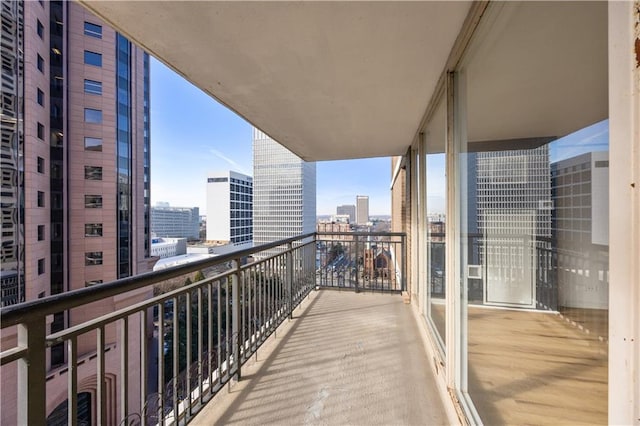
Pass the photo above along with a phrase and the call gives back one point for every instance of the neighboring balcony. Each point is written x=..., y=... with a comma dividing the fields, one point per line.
x=336, y=356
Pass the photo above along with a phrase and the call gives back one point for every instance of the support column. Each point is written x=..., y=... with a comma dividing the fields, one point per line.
x=624, y=208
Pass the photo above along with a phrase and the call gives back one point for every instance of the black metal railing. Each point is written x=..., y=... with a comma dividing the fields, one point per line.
x=171, y=352
x=175, y=343
x=372, y=261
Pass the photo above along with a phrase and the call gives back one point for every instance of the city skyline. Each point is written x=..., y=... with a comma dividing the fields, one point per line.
x=193, y=135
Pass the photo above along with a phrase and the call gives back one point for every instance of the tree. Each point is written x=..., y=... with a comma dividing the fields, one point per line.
x=187, y=281
x=199, y=276
x=335, y=251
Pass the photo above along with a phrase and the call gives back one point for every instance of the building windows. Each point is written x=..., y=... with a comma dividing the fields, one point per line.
x=92, y=58
x=93, y=201
x=92, y=144
x=40, y=232
x=93, y=173
x=40, y=131
x=92, y=116
x=93, y=258
x=93, y=87
x=40, y=199
x=40, y=97
x=40, y=62
x=56, y=200
x=40, y=266
x=40, y=165
x=40, y=29
x=92, y=30
x=93, y=230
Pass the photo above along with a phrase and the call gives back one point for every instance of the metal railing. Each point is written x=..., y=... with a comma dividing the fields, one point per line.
x=160, y=359
x=201, y=335
x=372, y=261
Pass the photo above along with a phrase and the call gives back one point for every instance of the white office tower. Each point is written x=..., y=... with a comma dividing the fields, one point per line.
x=284, y=192
x=362, y=209
x=229, y=208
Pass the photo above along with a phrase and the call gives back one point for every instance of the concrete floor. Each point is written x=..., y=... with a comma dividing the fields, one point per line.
x=345, y=359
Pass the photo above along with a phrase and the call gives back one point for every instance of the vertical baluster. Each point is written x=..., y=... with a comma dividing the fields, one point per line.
x=189, y=330
x=235, y=303
x=250, y=310
x=124, y=368
x=289, y=280
x=227, y=335
x=161, y=363
x=176, y=358
x=200, y=348
x=101, y=391
x=210, y=348
x=144, y=356
x=219, y=329
x=72, y=389
x=242, y=309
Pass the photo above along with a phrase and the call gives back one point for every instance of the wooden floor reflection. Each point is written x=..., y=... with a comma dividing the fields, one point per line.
x=529, y=367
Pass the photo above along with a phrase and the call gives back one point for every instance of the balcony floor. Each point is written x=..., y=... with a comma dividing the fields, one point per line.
x=345, y=358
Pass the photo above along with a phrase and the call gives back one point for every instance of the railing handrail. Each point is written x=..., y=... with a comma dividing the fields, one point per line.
x=364, y=234
x=19, y=313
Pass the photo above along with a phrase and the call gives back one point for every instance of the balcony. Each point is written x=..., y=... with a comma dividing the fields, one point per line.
x=342, y=356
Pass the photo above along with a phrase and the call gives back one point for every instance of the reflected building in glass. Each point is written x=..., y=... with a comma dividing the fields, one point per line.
x=509, y=220
x=580, y=186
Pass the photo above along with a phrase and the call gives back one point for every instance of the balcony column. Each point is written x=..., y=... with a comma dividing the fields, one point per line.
x=31, y=373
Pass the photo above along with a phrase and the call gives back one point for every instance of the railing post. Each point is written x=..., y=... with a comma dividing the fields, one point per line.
x=289, y=275
x=235, y=313
x=404, y=263
x=357, y=262
x=31, y=373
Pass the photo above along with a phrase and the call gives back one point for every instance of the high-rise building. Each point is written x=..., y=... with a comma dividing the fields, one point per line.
x=75, y=174
x=362, y=209
x=175, y=222
x=230, y=208
x=348, y=209
x=284, y=188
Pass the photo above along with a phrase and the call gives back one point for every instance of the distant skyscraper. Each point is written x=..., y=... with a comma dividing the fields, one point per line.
x=284, y=192
x=75, y=177
x=362, y=209
x=230, y=207
x=348, y=209
x=175, y=222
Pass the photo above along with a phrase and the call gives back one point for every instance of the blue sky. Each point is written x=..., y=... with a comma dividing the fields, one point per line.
x=192, y=135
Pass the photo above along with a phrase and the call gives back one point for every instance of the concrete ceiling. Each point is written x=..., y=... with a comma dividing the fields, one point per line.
x=328, y=80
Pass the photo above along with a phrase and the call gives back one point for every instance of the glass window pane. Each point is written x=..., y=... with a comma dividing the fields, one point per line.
x=92, y=115
x=93, y=87
x=92, y=30
x=93, y=258
x=93, y=201
x=93, y=230
x=93, y=173
x=92, y=144
x=92, y=58
x=533, y=235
